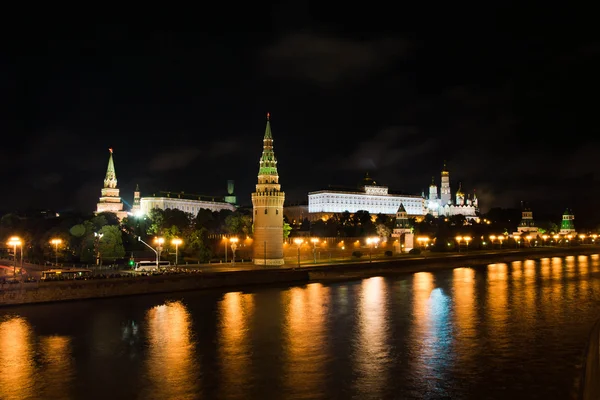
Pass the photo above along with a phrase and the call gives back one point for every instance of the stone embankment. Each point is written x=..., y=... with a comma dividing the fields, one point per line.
x=44, y=292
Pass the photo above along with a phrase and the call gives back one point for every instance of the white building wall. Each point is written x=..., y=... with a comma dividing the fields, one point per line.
x=185, y=205
x=338, y=202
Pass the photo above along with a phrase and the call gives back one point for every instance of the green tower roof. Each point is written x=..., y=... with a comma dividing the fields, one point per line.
x=111, y=176
x=401, y=208
x=268, y=163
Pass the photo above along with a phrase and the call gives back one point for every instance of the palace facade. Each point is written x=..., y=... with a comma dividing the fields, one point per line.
x=375, y=199
x=184, y=202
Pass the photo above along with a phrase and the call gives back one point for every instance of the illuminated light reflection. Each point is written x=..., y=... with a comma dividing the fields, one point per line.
x=59, y=370
x=372, y=353
x=463, y=292
x=305, y=367
x=16, y=360
x=235, y=311
x=172, y=370
x=498, y=298
x=432, y=332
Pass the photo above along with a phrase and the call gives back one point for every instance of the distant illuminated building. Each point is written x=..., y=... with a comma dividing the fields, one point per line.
x=527, y=224
x=230, y=197
x=370, y=197
x=567, y=226
x=267, y=204
x=442, y=205
x=110, y=201
x=136, y=209
x=184, y=202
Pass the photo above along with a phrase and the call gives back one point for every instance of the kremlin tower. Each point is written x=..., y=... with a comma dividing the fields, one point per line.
x=267, y=203
x=110, y=200
x=445, y=194
x=137, y=207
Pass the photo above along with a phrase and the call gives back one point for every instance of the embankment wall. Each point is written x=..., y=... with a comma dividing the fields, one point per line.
x=44, y=292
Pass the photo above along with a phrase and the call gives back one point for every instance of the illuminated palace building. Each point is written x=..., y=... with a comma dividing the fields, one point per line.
x=377, y=199
x=110, y=201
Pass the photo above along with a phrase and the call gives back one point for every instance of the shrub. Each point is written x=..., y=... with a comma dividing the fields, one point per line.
x=357, y=254
x=388, y=253
x=414, y=251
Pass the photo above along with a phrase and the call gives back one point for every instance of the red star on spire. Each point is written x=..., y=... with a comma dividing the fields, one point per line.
x=268, y=115
x=110, y=149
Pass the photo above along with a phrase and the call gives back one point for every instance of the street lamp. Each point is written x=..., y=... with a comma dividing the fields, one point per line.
x=15, y=241
x=372, y=241
x=56, y=242
x=176, y=242
x=98, y=236
x=234, y=242
x=159, y=242
x=298, y=242
x=467, y=239
x=458, y=240
x=314, y=242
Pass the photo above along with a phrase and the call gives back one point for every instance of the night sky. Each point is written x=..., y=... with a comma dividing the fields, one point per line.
x=508, y=97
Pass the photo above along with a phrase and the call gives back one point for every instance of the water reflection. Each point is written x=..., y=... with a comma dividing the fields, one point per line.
x=172, y=369
x=58, y=372
x=464, y=310
x=432, y=334
x=305, y=334
x=497, y=300
x=235, y=312
x=372, y=353
x=17, y=369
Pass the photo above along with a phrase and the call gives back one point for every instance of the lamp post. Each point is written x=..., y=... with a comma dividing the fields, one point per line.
x=56, y=242
x=234, y=242
x=467, y=239
x=458, y=240
x=314, y=242
x=372, y=241
x=15, y=241
x=159, y=242
x=176, y=242
x=151, y=248
x=298, y=242
x=97, y=236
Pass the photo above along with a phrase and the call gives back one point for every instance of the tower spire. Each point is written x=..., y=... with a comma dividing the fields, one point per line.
x=110, y=181
x=268, y=134
x=268, y=163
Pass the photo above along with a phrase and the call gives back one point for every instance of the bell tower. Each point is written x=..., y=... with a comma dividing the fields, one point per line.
x=267, y=204
x=445, y=194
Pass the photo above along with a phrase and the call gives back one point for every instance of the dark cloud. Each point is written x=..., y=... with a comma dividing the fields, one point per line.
x=327, y=59
x=174, y=159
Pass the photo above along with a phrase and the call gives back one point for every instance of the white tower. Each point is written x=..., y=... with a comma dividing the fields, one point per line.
x=445, y=194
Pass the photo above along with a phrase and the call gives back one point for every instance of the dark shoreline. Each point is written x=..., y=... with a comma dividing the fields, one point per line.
x=47, y=292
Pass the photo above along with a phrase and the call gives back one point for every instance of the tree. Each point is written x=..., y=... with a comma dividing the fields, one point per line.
x=383, y=230
x=196, y=245
x=286, y=230
x=111, y=243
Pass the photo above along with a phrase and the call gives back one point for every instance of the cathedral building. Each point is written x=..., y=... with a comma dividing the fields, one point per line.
x=442, y=204
x=267, y=203
x=110, y=201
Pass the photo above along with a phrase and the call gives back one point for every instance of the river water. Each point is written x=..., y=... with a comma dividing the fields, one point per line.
x=498, y=331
